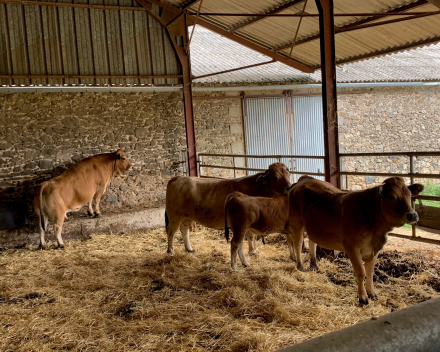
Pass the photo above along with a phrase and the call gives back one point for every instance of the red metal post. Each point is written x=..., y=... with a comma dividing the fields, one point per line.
x=329, y=97
x=178, y=31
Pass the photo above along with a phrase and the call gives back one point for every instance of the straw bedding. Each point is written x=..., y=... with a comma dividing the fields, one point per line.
x=124, y=293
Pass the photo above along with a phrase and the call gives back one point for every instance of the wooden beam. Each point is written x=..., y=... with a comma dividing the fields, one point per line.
x=305, y=14
x=329, y=94
x=357, y=23
x=31, y=76
x=271, y=12
x=188, y=4
x=235, y=37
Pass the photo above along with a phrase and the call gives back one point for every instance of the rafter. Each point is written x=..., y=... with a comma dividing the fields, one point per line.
x=353, y=25
x=175, y=12
x=188, y=4
x=235, y=69
x=271, y=12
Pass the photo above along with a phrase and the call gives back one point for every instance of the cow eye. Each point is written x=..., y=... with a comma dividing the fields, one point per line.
x=391, y=197
x=123, y=159
x=275, y=178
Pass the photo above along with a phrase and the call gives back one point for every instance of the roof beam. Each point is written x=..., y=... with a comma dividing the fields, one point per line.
x=73, y=5
x=387, y=51
x=235, y=69
x=271, y=12
x=235, y=37
x=188, y=4
x=360, y=22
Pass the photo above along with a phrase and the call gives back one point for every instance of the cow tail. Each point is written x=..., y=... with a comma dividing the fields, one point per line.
x=167, y=221
x=228, y=200
x=43, y=185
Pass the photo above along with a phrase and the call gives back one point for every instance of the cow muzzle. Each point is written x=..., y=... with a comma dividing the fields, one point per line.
x=411, y=217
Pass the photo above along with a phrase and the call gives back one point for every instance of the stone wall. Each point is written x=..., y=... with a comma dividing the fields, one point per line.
x=42, y=134
x=219, y=130
x=392, y=119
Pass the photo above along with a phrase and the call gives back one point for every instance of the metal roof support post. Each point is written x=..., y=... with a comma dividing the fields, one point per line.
x=329, y=97
x=178, y=31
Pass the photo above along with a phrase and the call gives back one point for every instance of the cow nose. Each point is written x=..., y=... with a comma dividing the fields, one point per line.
x=286, y=191
x=412, y=217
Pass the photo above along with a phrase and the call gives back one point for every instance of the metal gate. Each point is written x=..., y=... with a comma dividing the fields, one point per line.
x=285, y=125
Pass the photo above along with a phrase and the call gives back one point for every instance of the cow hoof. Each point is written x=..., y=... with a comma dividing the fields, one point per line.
x=363, y=302
x=42, y=247
x=313, y=267
x=253, y=254
x=97, y=215
x=190, y=250
x=300, y=267
x=373, y=296
x=89, y=213
x=169, y=251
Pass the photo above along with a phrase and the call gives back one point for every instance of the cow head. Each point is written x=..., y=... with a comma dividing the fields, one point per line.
x=122, y=163
x=396, y=201
x=277, y=178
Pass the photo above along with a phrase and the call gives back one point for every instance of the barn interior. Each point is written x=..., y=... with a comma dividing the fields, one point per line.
x=83, y=77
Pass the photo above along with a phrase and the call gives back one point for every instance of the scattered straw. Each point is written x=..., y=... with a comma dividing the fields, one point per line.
x=124, y=293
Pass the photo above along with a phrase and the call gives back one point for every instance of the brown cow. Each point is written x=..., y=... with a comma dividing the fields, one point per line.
x=202, y=199
x=356, y=222
x=75, y=187
x=263, y=215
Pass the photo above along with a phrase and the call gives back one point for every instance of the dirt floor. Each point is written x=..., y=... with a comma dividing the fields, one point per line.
x=124, y=293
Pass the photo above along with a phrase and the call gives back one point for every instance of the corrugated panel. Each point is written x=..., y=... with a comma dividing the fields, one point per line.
x=266, y=131
x=46, y=40
x=5, y=47
x=273, y=32
x=309, y=133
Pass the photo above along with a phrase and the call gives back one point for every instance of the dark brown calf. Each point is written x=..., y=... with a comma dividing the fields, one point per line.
x=75, y=187
x=356, y=222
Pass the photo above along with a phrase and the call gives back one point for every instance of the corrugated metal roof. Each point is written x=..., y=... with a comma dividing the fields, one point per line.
x=277, y=33
x=422, y=64
x=64, y=41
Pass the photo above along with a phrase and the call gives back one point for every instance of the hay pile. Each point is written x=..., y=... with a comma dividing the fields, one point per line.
x=124, y=293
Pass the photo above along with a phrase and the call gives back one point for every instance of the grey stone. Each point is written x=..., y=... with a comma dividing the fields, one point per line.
x=46, y=164
x=124, y=187
x=391, y=114
x=30, y=165
x=4, y=145
x=161, y=195
x=112, y=198
x=140, y=132
x=370, y=179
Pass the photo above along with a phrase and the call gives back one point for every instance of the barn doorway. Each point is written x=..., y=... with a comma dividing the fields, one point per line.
x=284, y=125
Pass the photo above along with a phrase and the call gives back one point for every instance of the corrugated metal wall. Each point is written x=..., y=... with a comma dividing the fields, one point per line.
x=266, y=131
x=309, y=133
x=65, y=41
x=285, y=126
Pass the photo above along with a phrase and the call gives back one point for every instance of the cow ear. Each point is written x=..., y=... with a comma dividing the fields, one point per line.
x=118, y=154
x=382, y=190
x=416, y=189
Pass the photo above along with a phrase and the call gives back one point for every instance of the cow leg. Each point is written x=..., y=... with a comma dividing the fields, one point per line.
x=171, y=229
x=90, y=210
x=42, y=231
x=237, y=246
x=290, y=245
x=57, y=228
x=369, y=269
x=185, y=235
x=356, y=260
x=252, y=243
x=312, y=249
x=97, y=198
x=242, y=256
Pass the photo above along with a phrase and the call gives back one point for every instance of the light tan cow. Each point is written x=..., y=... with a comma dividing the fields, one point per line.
x=264, y=215
x=81, y=184
x=202, y=199
x=356, y=223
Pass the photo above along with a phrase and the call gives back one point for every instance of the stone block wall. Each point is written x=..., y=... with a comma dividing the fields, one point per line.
x=42, y=134
x=392, y=119
x=219, y=130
